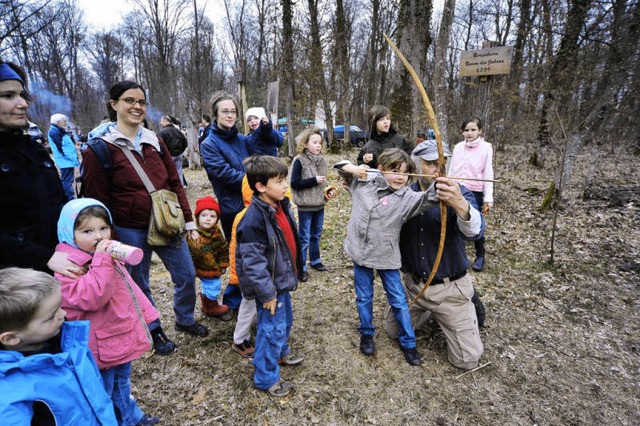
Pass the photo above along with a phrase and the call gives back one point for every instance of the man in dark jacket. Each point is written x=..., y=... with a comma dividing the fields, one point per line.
x=449, y=298
x=175, y=140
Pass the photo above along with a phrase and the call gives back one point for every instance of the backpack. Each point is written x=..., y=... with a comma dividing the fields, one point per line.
x=101, y=151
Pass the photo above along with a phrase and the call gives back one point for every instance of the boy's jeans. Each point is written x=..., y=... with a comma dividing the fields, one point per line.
x=310, y=231
x=177, y=259
x=271, y=341
x=117, y=382
x=363, y=281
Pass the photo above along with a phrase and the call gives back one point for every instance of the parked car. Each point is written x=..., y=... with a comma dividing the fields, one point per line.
x=357, y=136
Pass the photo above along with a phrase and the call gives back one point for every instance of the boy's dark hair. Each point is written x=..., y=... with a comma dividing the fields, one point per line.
x=393, y=158
x=92, y=211
x=21, y=293
x=207, y=118
x=261, y=168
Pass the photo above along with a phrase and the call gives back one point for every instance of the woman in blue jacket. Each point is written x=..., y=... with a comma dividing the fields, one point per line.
x=222, y=154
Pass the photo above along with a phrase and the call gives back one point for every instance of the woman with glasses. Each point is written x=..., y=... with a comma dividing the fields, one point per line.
x=125, y=195
x=222, y=154
x=31, y=194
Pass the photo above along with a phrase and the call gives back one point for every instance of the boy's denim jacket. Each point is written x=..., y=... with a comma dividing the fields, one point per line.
x=377, y=215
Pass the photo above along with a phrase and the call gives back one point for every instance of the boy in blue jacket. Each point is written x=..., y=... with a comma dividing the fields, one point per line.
x=47, y=373
x=268, y=259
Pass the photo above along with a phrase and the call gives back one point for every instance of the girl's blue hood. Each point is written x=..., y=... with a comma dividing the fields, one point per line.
x=68, y=216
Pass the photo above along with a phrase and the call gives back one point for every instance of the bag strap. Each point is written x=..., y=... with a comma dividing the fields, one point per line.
x=136, y=165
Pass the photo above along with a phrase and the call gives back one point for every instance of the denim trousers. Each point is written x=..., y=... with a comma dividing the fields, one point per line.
x=232, y=296
x=363, y=281
x=177, y=259
x=271, y=341
x=66, y=176
x=310, y=231
x=117, y=382
x=211, y=287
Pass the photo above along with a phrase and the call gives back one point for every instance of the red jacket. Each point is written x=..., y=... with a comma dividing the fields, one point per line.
x=124, y=194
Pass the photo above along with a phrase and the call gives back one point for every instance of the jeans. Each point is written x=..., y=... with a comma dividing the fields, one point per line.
x=177, y=259
x=232, y=296
x=178, y=161
x=66, y=176
x=271, y=341
x=479, y=243
x=117, y=382
x=363, y=281
x=310, y=231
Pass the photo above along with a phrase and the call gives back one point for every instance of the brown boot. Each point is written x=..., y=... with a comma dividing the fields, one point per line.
x=212, y=308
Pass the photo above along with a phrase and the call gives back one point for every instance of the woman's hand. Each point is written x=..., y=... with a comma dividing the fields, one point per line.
x=320, y=179
x=60, y=263
x=367, y=158
x=193, y=235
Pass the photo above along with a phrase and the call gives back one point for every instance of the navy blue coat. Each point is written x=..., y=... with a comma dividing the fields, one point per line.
x=264, y=263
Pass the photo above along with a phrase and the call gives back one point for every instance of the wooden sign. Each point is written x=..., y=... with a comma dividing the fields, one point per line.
x=489, y=61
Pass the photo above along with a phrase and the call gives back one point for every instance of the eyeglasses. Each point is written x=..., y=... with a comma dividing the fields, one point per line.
x=228, y=112
x=131, y=101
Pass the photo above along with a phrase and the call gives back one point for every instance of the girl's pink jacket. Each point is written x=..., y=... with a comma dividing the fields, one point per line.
x=108, y=297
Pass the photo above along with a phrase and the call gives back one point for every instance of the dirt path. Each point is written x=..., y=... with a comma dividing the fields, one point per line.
x=563, y=341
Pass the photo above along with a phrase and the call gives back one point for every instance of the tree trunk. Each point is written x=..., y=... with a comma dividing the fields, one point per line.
x=440, y=67
x=287, y=41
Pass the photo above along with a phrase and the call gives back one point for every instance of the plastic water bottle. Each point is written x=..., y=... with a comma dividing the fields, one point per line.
x=128, y=254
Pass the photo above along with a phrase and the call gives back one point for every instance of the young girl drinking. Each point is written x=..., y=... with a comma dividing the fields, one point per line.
x=308, y=182
x=473, y=158
x=106, y=295
x=380, y=205
x=382, y=136
x=210, y=253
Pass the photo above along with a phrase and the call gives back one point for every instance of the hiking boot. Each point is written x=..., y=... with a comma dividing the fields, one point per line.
x=212, y=308
x=161, y=343
x=245, y=349
x=412, y=356
x=195, y=329
x=148, y=421
x=367, y=346
x=319, y=267
x=481, y=312
x=291, y=359
x=281, y=389
x=478, y=264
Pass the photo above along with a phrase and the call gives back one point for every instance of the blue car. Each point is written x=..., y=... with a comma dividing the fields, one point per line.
x=357, y=136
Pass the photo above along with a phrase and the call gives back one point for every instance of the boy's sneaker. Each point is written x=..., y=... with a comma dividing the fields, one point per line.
x=148, y=421
x=245, y=349
x=412, y=356
x=281, y=389
x=367, y=346
x=195, y=329
x=291, y=359
x=161, y=343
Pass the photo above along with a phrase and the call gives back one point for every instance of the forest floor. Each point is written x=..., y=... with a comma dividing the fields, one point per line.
x=562, y=340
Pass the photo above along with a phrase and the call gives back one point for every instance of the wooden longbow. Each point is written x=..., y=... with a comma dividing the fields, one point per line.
x=441, y=163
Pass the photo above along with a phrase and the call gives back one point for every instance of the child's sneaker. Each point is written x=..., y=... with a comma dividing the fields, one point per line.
x=245, y=349
x=281, y=389
x=148, y=421
x=291, y=359
x=412, y=356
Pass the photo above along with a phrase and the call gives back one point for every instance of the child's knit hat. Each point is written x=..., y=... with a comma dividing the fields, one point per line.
x=207, y=203
x=256, y=112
